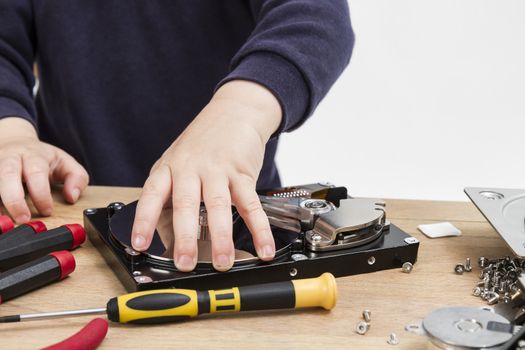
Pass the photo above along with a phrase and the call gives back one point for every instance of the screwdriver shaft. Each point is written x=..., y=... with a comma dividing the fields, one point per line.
x=43, y=315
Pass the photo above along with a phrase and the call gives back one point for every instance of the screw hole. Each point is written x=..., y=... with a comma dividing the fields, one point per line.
x=293, y=272
x=371, y=260
x=491, y=195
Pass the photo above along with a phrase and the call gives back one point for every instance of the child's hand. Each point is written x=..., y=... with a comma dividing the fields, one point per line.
x=23, y=158
x=217, y=159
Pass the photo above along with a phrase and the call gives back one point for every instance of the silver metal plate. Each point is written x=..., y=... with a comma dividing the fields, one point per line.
x=505, y=210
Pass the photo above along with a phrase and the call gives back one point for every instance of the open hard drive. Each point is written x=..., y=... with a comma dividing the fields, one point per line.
x=317, y=228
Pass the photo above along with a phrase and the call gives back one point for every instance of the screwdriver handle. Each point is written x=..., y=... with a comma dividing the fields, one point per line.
x=35, y=274
x=20, y=247
x=6, y=224
x=28, y=229
x=171, y=305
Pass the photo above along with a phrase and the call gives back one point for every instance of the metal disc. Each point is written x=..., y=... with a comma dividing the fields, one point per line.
x=161, y=247
x=464, y=328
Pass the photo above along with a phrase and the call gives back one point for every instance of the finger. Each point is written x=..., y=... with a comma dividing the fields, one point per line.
x=11, y=189
x=186, y=204
x=155, y=193
x=35, y=171
x=216, y=196
x=249, y=207
x=72, y=174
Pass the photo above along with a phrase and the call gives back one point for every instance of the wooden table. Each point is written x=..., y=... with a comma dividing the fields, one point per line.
x=395, y=298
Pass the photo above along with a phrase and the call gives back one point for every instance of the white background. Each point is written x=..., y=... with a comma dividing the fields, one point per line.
x=433, y=101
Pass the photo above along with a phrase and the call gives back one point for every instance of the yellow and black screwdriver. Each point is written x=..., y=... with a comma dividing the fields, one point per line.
x=171, y=305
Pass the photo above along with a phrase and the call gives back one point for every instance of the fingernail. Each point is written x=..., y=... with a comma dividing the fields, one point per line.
x=47, y=212
x=267, y=252
x=223, y=261
x=22, y=219
x=139, y=242
x=75, y=193
x=185, y=263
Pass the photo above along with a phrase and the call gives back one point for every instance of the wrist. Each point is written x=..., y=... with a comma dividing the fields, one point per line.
x=261, y=108
x=14, y=126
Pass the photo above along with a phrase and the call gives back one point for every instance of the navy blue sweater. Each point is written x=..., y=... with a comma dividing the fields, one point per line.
x=120, y=80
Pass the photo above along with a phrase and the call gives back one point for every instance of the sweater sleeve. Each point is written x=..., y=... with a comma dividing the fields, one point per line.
x=17, y=42
x=297, y=50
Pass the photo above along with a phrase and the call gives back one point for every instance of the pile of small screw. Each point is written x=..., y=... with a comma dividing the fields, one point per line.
x=499, y=279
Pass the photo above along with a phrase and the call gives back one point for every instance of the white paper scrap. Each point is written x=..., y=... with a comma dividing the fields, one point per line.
x=440, y=229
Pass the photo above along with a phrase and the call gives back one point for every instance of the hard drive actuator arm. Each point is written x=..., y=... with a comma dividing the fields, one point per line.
x=354, y=222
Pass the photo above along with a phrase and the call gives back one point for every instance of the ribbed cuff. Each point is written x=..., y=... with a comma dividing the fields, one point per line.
x=11, y=108
x=279, y=76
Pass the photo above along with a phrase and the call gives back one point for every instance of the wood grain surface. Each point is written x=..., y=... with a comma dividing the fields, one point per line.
x=394, y=298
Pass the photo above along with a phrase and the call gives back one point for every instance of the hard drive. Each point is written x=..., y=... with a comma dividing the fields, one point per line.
x=317, y=228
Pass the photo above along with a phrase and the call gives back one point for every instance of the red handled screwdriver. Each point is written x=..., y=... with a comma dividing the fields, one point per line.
x=35, y=274
x=27, y=229
x=24, y=248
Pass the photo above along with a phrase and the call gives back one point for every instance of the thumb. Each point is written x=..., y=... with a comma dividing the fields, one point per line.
x=73, y=175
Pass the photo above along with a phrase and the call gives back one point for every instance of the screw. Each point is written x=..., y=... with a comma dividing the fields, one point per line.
x=495, y=280
x=367, y=315
x=476, y=292
x=486, y=282
x=481, y=283
x=407, y=267
x=489, y=267
x=468, y=266
x=362, y=327
x=482, y=262
x=515, y=295
x=459, y=269
x=90, y=211
x=506, y=298
x=315, y=204
x=316, y=237
x=132, y=252
x=392, y=340
x=493, y=299
x=299, y=257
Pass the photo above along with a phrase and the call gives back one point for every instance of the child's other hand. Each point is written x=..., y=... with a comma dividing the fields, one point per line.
x=24, y=158
x=217, y=159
